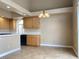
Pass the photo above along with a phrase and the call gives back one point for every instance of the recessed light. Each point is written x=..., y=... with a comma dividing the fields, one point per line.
x=8, y=6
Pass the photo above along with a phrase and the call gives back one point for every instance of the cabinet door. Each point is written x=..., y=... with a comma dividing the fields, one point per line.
x=36, y=22
x=4, y=24
x=12, y=25
x=29, y=40
x=28, y=22
x=33, y=40
x=36, y=40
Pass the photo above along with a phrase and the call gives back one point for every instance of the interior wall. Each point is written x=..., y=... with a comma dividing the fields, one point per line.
x=5, y=13
x=56, y=30
x=75, y=27
x=15, y=15
x=78, y=29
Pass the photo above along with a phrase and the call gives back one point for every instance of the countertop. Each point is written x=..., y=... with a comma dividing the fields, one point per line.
x=26, y=33
x=31, y=33
x=6, y=35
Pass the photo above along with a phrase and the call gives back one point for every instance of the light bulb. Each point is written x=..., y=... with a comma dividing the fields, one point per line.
x=44, y=14
x=40, y=15
x=47, y=15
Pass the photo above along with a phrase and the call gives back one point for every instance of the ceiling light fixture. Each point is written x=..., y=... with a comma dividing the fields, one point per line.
x=44, y=14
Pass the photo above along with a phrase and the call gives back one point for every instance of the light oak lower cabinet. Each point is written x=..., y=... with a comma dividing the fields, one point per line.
x=33, y=40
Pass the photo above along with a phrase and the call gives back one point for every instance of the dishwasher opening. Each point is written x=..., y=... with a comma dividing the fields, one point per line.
x=23, y=39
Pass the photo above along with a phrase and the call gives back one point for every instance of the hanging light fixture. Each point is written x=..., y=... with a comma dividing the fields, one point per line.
x=44, y=14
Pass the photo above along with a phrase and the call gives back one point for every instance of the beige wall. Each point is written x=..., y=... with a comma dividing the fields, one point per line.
x=5, y=13
x=8, y=14
x=75, y=27
x=56, y=30
x=78, y=29
x=15, y=15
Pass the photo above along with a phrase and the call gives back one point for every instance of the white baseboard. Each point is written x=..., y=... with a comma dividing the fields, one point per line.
x=75, y=51
x=64, y=46
x=9, y=52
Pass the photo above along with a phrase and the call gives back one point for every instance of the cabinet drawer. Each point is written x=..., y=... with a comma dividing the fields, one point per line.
x=33, y=40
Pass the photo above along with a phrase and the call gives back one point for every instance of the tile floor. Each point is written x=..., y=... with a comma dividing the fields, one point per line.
x=42, y=53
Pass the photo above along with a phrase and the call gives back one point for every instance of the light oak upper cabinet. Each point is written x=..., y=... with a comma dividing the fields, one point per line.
x=4, y=23
x=36, y=22
x=32, y=22
x=12, y=25
x=33, y=40
x=7, y=24
x=27, y=22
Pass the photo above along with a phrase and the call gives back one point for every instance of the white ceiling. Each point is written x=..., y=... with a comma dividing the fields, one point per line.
x=24, y=3
x=14, y=7
x=4, y=6
x=36, y=5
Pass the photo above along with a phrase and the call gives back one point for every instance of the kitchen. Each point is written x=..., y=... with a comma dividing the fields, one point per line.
x=21, y=30
x=13, y=29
